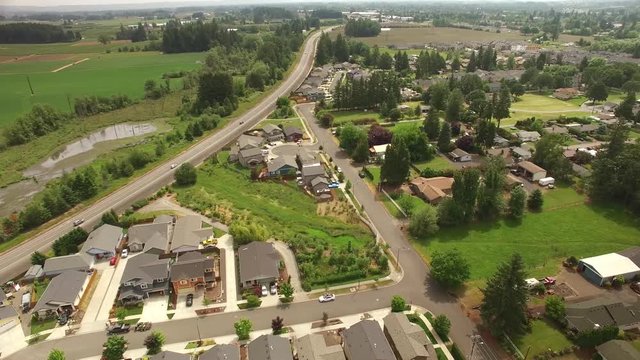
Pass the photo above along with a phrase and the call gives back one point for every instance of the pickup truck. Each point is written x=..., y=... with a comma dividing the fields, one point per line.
x=118, y=328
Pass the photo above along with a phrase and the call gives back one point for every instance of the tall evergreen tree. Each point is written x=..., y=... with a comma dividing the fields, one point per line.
x=501, y=111
x=472, y=66
x=397, y=162
x=490, y=202
x=465, y=191
x=444, y=138
x=432, y=125
x=454, y=106
x=341, y=49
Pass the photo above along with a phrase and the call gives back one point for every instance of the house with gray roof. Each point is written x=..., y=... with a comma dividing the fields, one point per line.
x=249, y=142
x=600, y=312
x=282, y=166
x=314, y=347
x=521, y=153
x=272, y=133
x=221, y=352
x=320, y=185
x=250, y=157
x=258, y=262
x=145, y=274
x=311, y=171
x=618, y=350
x=170, y=355
x=103, y=242
x=408, y=341
x=153, y=237
x=57, y=265
x=500, y=142
x=191, y=271
x=293, y=133
x=34, y=272
x=365, y=340
x=62, y=294
x=270, y=347
x=164, y=219
x=189, y=233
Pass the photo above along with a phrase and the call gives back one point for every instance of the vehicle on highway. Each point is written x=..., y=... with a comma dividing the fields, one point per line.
x=125, y=253
x=327, y=298
x=173, y=166
x=118, y=328
x=78, y=222
x=189, y=300
x=264, y=291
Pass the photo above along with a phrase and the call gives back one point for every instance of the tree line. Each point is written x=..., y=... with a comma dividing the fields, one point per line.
x=362, y=28
x=196, y=36
x=136, y=34
x=92, y=105
x=34, y=33
x=381, y=90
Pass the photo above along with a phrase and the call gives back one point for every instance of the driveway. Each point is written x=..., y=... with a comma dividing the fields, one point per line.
x=155, y=308
x=292, y=267
x=228, y=274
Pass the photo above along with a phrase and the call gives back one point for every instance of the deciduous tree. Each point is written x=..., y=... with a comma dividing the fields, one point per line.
x=450, y=268
x=243, y=328
x=516, y=202
x=442, y=325
x=38, y=258
x=432, y=125
x=114, y=348
x=454, y=106
x=56, y=354
x=424, y=222
x=154, y=342
x=186, y=175
x=398, y=304
x=397, y=162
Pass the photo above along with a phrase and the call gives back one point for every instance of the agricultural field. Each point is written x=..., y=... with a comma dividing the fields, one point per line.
x=567, y=226
x=102, y=74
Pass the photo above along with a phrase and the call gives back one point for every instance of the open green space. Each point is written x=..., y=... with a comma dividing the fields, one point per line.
x=543, y=107
x=284, y=122
x=341, y=117
x=437, y=163
x=543, y=336
x=567, y=226
x=101, y=75
x=131, y=310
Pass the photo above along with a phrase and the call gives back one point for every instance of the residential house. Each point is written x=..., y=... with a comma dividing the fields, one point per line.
x=555, y=129
x=152, y=237
x=284, y=165
x=601, y=312
x=315, y=347
x=531, y=171
x=311, y=171
x=191, y=271
x=221, y=352
x=503, y=153
x=408, y=341
x=604, y=268
x=569, y=153
x=459, y=155
x=565, y=93
x=377, y=152
x=144, y=275
x=513, y=181
x=258, y=262
x=170, y=355
x=103, y=242
x=320, y=185
x=245, y=142
x=500, y=142
x=189, y=233
x=62, y=295
x=270, y=347
x=521, y=153
x=272, y=133
x=76, y=262
x=250, y=157
x=8, y=318
x=587, y=128
x=432, y=190
x=293, y=133
x=618, y=350
x=528, y=136
x=35, y=272
x=365, y=340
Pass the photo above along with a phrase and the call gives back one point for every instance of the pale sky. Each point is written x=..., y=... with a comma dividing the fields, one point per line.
x=49, y=3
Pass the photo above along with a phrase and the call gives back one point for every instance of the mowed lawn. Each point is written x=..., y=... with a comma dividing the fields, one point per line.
x=542, y=107
x=543, y=336
x=567, y=226
x=437, y=163
x=102, y=74
x=342, y=117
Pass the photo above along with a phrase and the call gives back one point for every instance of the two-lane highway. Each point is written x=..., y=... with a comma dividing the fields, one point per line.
x=16, y=260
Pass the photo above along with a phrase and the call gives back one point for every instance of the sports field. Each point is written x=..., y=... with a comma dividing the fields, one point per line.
x=102, y=74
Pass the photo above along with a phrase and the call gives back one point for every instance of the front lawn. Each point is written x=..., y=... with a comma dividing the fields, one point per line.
x=543, y=336
x=565, y=228
x=131, y=310
x=375, y=172
x=42, y=325
x=284, y=122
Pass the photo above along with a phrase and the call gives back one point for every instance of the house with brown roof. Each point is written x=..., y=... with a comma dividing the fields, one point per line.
x=192, y=271
x=408, y=341
x=531, y=171
x=431, y=190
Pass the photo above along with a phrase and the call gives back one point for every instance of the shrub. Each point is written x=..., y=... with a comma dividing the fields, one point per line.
x=398, y=304
x=442, y=325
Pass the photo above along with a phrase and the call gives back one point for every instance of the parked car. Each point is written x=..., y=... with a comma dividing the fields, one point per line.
x=334, y=185
x=113, y=260
x=210, y=242
x=189, y=300
x=78, y=222
x=273, y=289
x=125, y=253
x=362, y=174
x=63, y=319
x=327, y=298
x=118, y=328
x=339, y=169
x=173, y=166
x=264, y=291
x=549, y=280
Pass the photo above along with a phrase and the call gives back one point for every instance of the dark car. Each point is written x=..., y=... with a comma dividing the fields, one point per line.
x=63, y=319
x=189, y=300
x=118, y=329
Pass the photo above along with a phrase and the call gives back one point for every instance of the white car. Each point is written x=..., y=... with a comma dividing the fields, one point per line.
x=339, y=169
x=78, y=222
x=274, y=289
x=265, y=292
x=125, y=253
x=173, y=166
x=327, y=298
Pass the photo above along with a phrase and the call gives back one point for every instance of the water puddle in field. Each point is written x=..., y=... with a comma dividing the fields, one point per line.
x=15, y=196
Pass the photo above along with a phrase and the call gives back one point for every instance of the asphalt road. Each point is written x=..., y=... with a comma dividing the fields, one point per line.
x=17, y=260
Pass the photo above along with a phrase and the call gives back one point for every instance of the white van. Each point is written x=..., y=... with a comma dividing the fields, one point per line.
x=546, y=181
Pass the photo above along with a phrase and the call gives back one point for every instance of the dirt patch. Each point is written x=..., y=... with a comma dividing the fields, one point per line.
x=340, y=209
x=94, y=43
x=4, y=59
x=69, y=65
x=329, y=322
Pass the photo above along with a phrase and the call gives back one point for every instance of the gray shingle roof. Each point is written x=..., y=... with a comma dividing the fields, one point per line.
x=409, y=340
x=188, y=232
x=190, y=265
x=155, y=235
x=271, y=129
x=34, y=272
x=250, y=152
x=221, y=352
x=618, y=349
x=62, y=290
x=291, y=130
x=248, y=141
x=163, y=219
x=270, y=347
x=319, y=180
x=103, y=239
x=281, y=161
x=58, y=264
x=365, y=340
x=7, y=312
x=258, y=260
x=314, y=347
x=586, y=315
x=170, y=355
x=312, y=170
x=145, y=268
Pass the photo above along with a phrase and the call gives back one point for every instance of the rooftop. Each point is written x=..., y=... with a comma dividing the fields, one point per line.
x=270, y=347
x=365, y=340
x=530, y=167
x=314, y=347
x=106, y=237
x=154, y=235
x=59, y=264
x=612, y=264
x=189, y=232
x=433, y=188
x=409, y=340
x=221, y=352
x=62, y=290
x=618, y=349
x=258, y=260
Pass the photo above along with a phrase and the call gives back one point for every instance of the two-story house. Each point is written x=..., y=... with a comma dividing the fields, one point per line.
x=191, y=271
x=272, y=133
x=144, y=274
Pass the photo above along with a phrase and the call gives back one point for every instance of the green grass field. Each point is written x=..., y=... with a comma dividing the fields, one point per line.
x=566, y=227
x=543, y=107
x=284, y=122
x=341, y=117
x=543, y=336
x=102, y=74
x=437, y=163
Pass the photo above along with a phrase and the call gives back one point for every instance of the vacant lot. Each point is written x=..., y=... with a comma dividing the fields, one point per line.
x=567, y=226
x=342, y=117
x=102, y=74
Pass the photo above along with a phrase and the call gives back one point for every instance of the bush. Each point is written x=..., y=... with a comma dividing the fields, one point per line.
x=456, y=353
x=253, y=301
x=442, y=326
x=398, y=304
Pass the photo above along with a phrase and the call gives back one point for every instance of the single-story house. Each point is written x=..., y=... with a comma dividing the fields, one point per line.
x=377, y=151
x=365, y=340
x=432, y=190
x=149, y=237
x=311, y=171
x=555, y=129
x=191, y=271
x=145, y=274
x=604, y=268
x=504, y=153
x=320, y=185
x=258, y=262
x=282, y=166
x=600, y=312
x=170, y=355
x=618, y=350
x=587, y=128
x=103, y=242
x=459, y=155
x=250, y=157
x=272, y=133
x=35, y=272
x=565, y=93
x=293, y=133
x=62, y=294
x=221, y=352
x=8, y=317
x=500, y=142
x=531, y=171
x=513, y=181
x=528, y=136
x=315, y=347
x=57, y=265
x=189, y=233
x=408, y=341
x=270, y=347
x=521, y=153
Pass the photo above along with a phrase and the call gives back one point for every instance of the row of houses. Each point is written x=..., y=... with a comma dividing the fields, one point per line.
x=249, y=149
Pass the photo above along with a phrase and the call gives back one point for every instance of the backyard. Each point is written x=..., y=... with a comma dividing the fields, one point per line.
x=543, y=107
x=543, y=336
